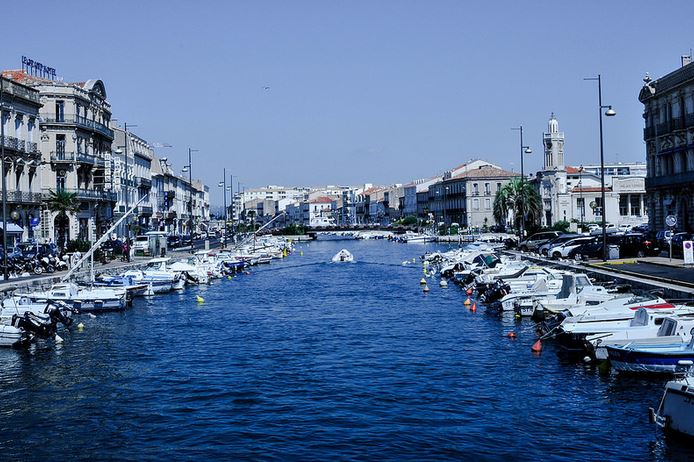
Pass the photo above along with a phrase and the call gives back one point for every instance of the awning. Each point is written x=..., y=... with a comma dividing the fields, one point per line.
x=12, y=228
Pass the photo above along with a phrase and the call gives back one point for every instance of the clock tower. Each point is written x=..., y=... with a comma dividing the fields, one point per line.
x=554, y=146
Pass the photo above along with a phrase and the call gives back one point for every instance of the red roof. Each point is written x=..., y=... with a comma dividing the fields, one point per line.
x=321, y=200
x=485, y=171
x=573, y=170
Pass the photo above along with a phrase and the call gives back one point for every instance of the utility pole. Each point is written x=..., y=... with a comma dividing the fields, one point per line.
x=6, y=275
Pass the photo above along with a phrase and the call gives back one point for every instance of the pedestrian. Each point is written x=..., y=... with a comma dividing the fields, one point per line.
x=126, y=250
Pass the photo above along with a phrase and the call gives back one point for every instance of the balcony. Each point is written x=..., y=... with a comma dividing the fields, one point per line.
x=146, y=210
x=677, y=180
x=23, y=197
x=145, y=183
x=90, y=194
x=81, y=122
x=62, y=156
x=89, y=159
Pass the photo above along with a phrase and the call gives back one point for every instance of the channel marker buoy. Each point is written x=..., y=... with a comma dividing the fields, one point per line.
x=423, y=281
x=443, y=283
x=426, y=288
x=199, y=299
x=467, y=301
x=537, y=346
x=80, y=326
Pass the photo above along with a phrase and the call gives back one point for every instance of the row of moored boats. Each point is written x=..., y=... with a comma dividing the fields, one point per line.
x=29, y=315
x=636, y=332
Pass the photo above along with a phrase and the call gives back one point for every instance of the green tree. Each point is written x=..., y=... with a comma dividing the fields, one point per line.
x=65, y=203
x=520, y=198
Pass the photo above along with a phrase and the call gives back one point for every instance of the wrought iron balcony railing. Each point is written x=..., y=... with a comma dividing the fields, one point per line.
x=80, y=121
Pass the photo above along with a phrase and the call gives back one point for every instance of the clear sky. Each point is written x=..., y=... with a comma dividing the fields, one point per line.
x=347, y=92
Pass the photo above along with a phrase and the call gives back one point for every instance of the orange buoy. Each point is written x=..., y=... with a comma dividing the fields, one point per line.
x=469, y=291
x=474, y=308
x=426, y=288
x=537, y=346
x=467, y=301
x=511, y=335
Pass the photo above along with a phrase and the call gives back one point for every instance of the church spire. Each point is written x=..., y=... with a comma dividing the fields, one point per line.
x=554, y=145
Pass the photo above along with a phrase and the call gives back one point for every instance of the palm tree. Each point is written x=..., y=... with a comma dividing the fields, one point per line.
x=521, y=198
x=64, y=203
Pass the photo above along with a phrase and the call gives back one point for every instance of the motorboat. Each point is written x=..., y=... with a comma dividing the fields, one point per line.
x=343, y=256
x=157, y=276
x=653, y=359
x=132, y=288
x=83, y=299
x=411, y=237
x=675, y=413
x=22, y=320
x=192, y=274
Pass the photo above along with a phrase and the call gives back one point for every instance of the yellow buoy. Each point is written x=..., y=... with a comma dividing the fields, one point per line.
x=80, y=326
x=200, y=299
x=301, y=253
x=229, y=277
x=423, y=281
x=467, y=301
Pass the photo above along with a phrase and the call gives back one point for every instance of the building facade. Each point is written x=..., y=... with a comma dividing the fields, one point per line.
x=669, y=136
x=19, y=117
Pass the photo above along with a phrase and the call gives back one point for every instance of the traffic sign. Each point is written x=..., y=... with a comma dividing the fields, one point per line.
x=671, y=221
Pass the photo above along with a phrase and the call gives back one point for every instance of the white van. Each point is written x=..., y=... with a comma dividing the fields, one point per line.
x=141, y=245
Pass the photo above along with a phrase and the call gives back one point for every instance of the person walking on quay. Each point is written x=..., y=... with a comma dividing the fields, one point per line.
x=126, y=250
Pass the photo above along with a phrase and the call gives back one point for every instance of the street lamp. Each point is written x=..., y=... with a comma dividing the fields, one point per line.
x=523, y=150
x=223, y=184
x=580, y=190
x=189, y=168
x=609, y=113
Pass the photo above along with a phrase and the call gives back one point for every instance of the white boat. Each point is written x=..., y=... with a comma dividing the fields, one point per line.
x=675, y=414
x=411, y=237
x=343, y=256
x=157, y=276
x=82, y=299
x=189, y=272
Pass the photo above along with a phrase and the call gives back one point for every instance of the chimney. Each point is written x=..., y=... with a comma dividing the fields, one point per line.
x=686, y=59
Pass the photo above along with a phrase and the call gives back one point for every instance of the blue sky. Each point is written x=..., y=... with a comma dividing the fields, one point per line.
x=359, y=91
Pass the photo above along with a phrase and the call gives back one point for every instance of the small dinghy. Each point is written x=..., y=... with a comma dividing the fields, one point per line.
x=343, y=256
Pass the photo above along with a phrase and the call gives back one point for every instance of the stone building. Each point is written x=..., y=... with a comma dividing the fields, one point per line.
x=20, y=122
x=669, y=136
x=75, y=142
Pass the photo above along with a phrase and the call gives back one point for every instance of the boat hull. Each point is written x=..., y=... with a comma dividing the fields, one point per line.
x=676, y=412
x=638, y=361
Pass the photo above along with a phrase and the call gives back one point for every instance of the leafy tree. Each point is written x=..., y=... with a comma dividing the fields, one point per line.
x=521, y=199
x=65, y=203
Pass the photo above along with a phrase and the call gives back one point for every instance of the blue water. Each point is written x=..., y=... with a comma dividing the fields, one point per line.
x=308, y=360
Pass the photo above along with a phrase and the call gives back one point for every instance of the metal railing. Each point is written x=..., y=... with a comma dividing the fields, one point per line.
x=80, y=121
x=89, y=159
x=89, y=194
x=24, y=197
x=62, y=156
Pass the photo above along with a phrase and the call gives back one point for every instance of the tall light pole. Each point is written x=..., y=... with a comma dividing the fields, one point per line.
x=445, y=197
x=6, y=275
x=580, y=190
x=609, y=113
x=523, y=150
x=189, y=169
x=223, y=184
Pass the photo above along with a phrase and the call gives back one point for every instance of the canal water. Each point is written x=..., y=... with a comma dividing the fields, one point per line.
x=309, y=360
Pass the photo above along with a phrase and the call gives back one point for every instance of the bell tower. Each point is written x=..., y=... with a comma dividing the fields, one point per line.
x=554, y=146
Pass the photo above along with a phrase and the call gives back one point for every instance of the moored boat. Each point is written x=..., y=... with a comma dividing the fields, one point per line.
x=343, y=256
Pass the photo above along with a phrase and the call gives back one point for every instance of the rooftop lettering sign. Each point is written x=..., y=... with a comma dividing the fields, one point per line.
x=37, y=69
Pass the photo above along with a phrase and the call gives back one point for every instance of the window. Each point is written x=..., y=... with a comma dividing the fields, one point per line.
x=498, y=187
x=60, y=181
x=487, y=189
x=623, y=205
x=475, y=190
x=581, y=206
x=60, y=146
x=598, y=207
x=475, y=204
x=60, y=111
x=488, y=204
x=635, y=204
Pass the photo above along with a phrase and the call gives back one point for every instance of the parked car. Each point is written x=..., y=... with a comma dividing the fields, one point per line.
x=678, y=243
x=141, y=245
x=544, y=248
x=637, y=245
x=593, y=247
x=611, y=228
x=623, y=228
x=173, y=241
x=536, y=240
x=562, y=250
x=663, y=237
x=642, y=228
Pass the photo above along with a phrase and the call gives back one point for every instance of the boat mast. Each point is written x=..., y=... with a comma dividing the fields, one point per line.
x=99, y=241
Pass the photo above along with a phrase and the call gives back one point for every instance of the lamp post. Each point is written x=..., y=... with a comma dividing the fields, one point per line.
x=189, y=169
x=609, y=113
x=580, y=190
x=523, y=150
x=445, y=197
x=223, y=184
x=6, y=275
